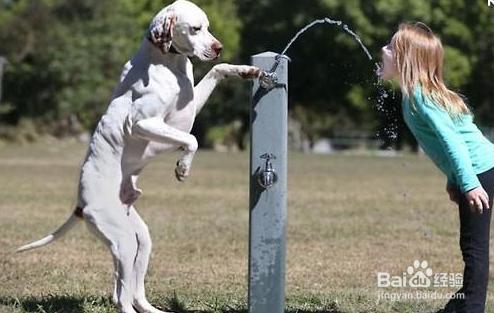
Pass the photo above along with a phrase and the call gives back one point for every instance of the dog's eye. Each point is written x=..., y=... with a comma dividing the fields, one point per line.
x=196, y=28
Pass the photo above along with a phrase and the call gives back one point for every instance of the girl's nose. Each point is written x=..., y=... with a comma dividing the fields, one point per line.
x=383, y=51
x=386, y=50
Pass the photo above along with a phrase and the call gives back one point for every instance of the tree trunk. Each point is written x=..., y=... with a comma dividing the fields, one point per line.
x=3, y=63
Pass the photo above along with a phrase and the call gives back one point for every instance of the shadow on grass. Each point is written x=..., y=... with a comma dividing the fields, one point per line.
x=245, y=311
x=54, y=303
x=175, y=304
x=81, y=304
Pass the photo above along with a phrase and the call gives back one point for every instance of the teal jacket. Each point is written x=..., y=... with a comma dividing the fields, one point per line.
x=455, y=144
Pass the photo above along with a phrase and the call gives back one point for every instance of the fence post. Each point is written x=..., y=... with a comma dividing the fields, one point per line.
x=268, y=209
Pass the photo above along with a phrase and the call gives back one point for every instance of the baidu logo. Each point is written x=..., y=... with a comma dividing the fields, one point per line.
x=417, y=282
x=416, y=276
x=419, y=275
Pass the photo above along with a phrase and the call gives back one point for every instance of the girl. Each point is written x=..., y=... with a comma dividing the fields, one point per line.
x=443, y=126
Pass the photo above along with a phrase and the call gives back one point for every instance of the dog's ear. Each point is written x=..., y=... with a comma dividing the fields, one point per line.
x=161, y=30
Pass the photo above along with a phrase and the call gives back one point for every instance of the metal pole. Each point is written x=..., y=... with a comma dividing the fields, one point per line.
x=268, y=189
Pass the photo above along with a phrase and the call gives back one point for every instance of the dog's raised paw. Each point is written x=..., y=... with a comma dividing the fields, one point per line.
x=250, y=72
x=181, y=171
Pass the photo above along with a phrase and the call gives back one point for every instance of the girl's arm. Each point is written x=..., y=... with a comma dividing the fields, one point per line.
x=451, y=183
x=443, y=126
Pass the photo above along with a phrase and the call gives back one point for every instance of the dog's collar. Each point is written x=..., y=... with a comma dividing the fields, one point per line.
x=171, y=50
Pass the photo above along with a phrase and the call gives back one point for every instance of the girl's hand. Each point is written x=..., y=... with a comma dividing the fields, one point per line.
x=478, y=200
x=454, y=194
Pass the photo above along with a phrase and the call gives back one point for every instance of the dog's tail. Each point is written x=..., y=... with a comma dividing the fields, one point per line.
x=69, y=223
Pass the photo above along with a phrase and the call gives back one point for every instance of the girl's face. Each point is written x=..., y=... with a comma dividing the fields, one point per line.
x=388, y=70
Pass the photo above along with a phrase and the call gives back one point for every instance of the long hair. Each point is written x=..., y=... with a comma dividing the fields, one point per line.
x=419, y=58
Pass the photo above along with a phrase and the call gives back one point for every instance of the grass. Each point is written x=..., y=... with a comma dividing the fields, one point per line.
x=350, y=217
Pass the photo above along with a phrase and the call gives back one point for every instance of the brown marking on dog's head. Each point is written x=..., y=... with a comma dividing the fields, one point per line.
x=161, y=30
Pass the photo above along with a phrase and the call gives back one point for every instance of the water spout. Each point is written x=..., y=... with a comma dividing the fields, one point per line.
x=269, y=80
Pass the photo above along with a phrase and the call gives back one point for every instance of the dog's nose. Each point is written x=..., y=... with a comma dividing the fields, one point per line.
x=217, y=47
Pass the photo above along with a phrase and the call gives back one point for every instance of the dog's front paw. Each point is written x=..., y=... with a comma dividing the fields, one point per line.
x=244, y=71
x=248, y=72
x=182, y=171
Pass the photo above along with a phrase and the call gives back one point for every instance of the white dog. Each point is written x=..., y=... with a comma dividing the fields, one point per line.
x=152, y=111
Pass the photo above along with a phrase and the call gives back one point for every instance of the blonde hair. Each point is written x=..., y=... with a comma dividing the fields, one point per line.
x=419, y=58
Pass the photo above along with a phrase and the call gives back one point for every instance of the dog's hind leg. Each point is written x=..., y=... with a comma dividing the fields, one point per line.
x=117, y=231
x=141, y=263
x=115, y=281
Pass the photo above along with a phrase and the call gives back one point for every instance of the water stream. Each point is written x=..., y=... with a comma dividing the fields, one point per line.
x=389, y=115
x=331, y=22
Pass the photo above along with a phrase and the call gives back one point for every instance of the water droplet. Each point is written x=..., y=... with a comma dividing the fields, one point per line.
x=387, y=114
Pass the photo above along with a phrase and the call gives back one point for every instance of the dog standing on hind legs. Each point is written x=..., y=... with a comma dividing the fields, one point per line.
x=152, y=111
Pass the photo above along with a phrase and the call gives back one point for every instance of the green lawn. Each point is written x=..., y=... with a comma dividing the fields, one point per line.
x=349, y=218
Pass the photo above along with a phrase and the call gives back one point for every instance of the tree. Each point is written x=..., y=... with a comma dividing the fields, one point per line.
x=332, y=85
x=3, y=63
x=67, y=56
